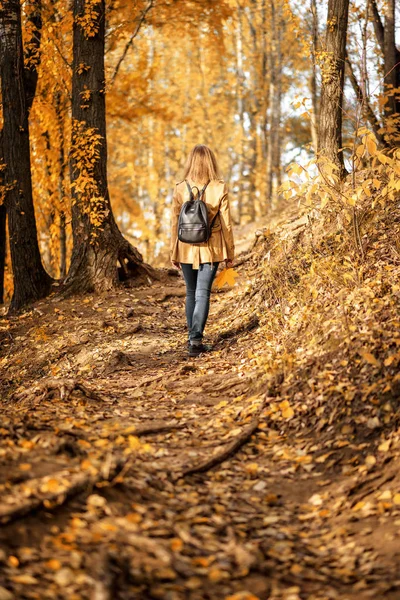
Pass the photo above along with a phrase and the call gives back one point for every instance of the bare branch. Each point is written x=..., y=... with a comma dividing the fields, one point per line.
x=378, y=26
x=365, y=104
x=142, y=19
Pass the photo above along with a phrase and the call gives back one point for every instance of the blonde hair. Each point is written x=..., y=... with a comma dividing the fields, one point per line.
x=201, y=165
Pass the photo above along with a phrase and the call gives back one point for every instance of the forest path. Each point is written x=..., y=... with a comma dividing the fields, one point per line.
x=108, y=489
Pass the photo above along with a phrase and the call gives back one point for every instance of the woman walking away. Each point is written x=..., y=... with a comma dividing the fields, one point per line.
x=199, y=261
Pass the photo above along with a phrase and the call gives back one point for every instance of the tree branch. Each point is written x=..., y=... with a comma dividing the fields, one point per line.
x=378, y=25
x=142, y=18
x=364, y=103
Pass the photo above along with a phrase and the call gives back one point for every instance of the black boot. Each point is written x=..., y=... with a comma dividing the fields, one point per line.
x=196, y=349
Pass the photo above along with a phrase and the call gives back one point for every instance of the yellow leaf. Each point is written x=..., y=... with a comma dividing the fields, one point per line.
x=287, y=411
x=371, y=145
x=25, y=579
x=176, y=544
x=386, y=495
x=101, y=443
x=360, y=150
x=28, y=444
x=396, y=499
x=215, y=574
x=226, y=276
x=347, y=429
x=295, y=169
x=370, y=460
x=324, y=201
x=252, y=468
x=370, y=358
x=296, y=569
x=13, y=561
x=53, y=564
x=25, y=467
x=384, y=447
x=134, y=442
x=52, y=485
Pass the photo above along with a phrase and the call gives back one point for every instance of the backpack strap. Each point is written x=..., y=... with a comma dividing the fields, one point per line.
x=190, y=190
x=200, y=193
x=203, y=190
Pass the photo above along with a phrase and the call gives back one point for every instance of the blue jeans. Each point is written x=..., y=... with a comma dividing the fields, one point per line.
x=198, y=290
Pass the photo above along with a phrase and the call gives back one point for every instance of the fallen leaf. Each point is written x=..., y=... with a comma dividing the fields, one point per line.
x=226, y=276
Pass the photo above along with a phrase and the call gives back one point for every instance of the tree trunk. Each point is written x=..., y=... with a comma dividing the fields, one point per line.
x=32, y=55
x=390, y=55
x=240, y=109
x=31, y=281
x=385, y=35
x=275, y=108
x=63, y=246
x=271, y=124
x=313, y=78
x=277, y=140
x=61, y=190
x=3, y=220
x=378, y=26
x=330, y=121
x=97, y=241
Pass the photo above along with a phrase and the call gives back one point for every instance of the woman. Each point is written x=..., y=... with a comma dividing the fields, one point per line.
x=199, y=262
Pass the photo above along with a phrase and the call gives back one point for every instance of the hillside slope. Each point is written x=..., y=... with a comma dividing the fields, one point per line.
x=265, y=469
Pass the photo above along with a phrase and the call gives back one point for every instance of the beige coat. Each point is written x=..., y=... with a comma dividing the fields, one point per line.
x=220, y=245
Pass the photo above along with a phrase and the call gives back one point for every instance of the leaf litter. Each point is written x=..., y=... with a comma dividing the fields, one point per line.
x=267, y=469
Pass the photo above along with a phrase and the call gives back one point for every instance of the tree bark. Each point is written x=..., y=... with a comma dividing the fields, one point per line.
x=390, y=55
x=275, y=107
x=378, y=25
x=31, y=281
x=385, y=35
x=3, y=220
x=32, y=55
x=313, y=78
x=330, y=122
x=240, y=107
x=62, y=165
x=97, y=241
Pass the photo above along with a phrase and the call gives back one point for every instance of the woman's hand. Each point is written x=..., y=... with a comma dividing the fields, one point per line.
x=176, y=264
x=228, y=263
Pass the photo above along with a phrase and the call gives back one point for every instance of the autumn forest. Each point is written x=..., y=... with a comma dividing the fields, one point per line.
x=266, y=467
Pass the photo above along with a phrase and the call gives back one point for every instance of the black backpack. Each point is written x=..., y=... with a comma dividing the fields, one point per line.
x=193, y=225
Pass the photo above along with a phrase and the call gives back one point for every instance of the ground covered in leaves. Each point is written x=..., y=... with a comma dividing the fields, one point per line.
x=266, y=469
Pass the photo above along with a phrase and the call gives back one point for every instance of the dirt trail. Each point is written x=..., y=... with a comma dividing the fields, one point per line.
x=129, y=471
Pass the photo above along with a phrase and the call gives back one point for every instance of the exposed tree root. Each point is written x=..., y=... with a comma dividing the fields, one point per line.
x=170, y=293
x=54, y=490
x=243, y=259
x=150, y=380
x=363, y=488
x=152, y=429
x=248, y=325
x=137, y=431
x=228, y=450
x=65, y=387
